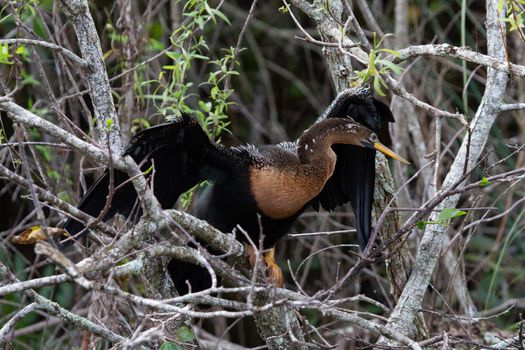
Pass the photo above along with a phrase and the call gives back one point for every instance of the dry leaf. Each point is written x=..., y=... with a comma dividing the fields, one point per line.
x=37, y=233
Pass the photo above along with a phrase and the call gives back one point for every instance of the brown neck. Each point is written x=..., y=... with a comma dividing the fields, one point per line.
x=314, y=148
x=316, y=142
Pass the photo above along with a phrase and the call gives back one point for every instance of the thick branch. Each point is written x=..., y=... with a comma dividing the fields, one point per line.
x=447, y=50
x=82, y=63
x=107, y=124
x=410, y=302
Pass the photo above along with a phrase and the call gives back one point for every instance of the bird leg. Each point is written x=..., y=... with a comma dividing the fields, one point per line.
x=275, y=275
x=274, y=271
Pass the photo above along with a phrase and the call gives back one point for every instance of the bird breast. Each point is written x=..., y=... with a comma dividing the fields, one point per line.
x=280, y=194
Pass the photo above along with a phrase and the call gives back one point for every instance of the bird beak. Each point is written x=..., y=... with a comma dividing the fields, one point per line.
x=382, y=148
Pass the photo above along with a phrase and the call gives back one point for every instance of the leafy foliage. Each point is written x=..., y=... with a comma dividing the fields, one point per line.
x=444, y=218
x=173, y=86
x=377, y=67
x=514, y=15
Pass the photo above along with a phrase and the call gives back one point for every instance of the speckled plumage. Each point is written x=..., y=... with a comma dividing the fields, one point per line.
x=259, y=189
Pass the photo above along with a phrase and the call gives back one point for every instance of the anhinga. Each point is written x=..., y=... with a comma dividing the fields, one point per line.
x=256, y=188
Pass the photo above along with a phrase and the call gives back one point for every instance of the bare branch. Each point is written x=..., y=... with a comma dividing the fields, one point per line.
x=77, y=11
x=82, y=63
x=451, y=51
x=54, y=309
x=512, y=107
x=431, y=244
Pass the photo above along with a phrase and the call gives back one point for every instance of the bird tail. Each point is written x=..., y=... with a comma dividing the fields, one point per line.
x=94, y=202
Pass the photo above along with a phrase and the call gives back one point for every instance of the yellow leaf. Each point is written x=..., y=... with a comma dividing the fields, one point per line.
x=37, y=233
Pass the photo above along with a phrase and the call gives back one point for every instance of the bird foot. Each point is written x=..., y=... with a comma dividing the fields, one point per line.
x=275, y=275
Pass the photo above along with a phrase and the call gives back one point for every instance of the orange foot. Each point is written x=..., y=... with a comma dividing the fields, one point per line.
x=274, y=271
x=275, y=275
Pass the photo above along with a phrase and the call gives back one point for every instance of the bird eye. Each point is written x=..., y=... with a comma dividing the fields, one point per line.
x=373, y=138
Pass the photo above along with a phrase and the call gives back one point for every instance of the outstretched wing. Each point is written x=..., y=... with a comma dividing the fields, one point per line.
x=354, y=174
x=178, y=156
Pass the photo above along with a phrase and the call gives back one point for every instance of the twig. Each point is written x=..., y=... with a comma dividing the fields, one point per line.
x=55, y=201
x=358, y=30
x=402, y=92
x=82, y=63
x=238, y=46
x=325, y=43
x=56, y=310
x=447, y=50
x=32, y=143
x=511, y=107
x=9, y=325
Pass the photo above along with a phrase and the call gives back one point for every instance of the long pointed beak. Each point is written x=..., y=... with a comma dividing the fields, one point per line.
x=382, y=148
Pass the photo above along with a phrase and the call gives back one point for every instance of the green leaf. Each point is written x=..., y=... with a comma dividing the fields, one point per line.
x=377, y=85
x=4, y=54
x=283, y=10
x=391, y=66
x=22, y=51
x=372, y=62
x=174, y=55
x=501, y=3
x=421, y=225
x=185, y=334
x=29, y=80
x=484, y=182
x=390, y=51
x=201, y=57
x=221, y=16
x=169, y=346
x=205, y=106
x=449, y=213
x=148, y=170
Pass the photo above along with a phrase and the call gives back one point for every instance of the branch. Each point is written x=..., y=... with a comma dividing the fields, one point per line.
x=512, y=107
x=148, y=201
x=9, y=325
x=107, y=124
x=447, y=50
x=225, y=243
x=82, y=63
x=410, y=302
x=55, y=201
x=402, y=92
x=56, y=310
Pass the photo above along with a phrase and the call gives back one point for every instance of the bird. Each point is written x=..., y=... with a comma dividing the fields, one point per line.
x=262, y=190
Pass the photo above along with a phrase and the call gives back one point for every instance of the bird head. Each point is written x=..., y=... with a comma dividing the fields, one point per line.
x=364, y=137
x=370, y=140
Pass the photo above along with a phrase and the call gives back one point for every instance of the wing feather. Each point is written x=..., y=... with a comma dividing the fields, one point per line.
x=354, y=174
x=181, y=154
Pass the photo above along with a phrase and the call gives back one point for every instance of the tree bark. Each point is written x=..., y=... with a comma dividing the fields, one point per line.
x=106, y=124
x=410, y=302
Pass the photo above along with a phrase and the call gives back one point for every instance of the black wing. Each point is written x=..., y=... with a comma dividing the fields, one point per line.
x=182, y=155
x=354, y=174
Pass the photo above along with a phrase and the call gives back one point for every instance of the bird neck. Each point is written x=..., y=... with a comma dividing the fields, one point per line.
x=316, y=142
x=315, y=150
